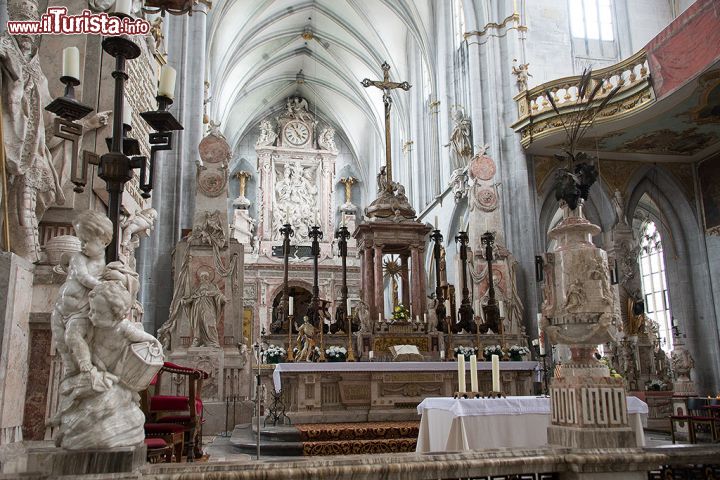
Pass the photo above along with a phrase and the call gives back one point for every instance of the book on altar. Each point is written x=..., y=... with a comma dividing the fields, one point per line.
x=406, y=353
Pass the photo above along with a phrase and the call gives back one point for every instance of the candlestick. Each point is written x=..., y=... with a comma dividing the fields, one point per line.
x=123, y=6
x=473, y=373
x=461, y=374
x=71, y=63
x=166, y=87
x=495, y=373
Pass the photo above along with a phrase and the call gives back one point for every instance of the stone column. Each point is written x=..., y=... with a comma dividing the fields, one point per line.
x=379, y=291
x=16, y=279
x=265, y=202
x=368, y=281
x=406, y=281
x=422, y=282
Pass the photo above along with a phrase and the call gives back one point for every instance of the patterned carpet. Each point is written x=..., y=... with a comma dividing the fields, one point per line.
x=358, y=438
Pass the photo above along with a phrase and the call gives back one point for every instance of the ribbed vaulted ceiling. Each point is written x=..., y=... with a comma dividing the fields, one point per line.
x=256, y=49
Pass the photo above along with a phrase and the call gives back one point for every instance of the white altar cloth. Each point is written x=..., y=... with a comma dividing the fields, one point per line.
x=449, y=425
x=389, y=367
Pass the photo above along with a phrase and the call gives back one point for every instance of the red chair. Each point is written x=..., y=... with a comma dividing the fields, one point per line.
x=157, y=448
x=166, y=415
x=697, y=419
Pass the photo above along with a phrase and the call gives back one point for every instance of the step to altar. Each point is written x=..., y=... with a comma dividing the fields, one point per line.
x=314, y=439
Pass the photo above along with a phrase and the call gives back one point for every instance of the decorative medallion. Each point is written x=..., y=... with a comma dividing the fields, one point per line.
x=482, y=167
x=486, y=198
x=214, y=149
x=212, y=183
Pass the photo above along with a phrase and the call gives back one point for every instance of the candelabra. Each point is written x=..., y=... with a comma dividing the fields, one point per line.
x=466, y=312
x=286, y=231
x=117, y=166
x=439, y=294
x=316, y=235
x=343, y=312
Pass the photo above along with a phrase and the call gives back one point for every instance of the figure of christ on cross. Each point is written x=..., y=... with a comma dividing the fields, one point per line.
x=386, y=85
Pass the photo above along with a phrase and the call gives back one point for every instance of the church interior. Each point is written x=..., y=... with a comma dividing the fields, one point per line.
x=401, y=239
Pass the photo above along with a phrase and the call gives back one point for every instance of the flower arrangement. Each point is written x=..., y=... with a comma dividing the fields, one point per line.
x=274, y=354
x=465, y=351
x=517, y=352
x=491, y=350
x=613, y=373
x=400, y=313
x=336, y=354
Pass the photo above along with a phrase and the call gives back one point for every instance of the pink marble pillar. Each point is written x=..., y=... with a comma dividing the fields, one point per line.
x=422, y=281
x=379, y=285
x=406, y=282
x=368, y=281
x=416, y=293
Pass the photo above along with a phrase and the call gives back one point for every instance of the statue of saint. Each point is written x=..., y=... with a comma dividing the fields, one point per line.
x=305, y=342
x=33, y=181
x=204, y=305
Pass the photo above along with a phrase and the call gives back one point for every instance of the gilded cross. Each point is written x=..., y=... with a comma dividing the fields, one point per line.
x=386, y=85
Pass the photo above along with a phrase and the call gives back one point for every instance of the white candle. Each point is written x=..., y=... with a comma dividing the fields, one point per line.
x=461, y=373
x=291, y=305
x=127, y=112
x=442, y=354
x=473, y=373
x=71, y=63
x=371, y=354
x=495, y=373
x=436, y=222
x=541, y=334
x=123, y=6
x=425, y=317
x=502, y=309
x=167, y=82
x=347, y=307
x=379, y=317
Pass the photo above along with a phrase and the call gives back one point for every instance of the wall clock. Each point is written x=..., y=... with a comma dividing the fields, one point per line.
x=297, y=133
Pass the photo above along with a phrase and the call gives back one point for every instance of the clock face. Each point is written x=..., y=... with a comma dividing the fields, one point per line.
x=297, y=133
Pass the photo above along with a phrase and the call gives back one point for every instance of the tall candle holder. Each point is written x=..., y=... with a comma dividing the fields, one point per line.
x=343, y=313
x=316, y=235
x=287, y=232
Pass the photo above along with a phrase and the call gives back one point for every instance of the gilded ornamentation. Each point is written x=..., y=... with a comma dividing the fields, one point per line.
x=617, y=174
x=543, y=167
x=670, y=142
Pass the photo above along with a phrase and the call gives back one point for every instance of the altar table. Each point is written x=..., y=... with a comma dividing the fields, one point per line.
x=449, y=425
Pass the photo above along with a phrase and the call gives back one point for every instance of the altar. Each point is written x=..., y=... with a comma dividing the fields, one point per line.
x=450, y=425
x=378, y=391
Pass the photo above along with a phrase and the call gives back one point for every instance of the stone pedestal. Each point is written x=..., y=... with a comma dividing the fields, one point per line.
x=589, y=410
x=16, y=280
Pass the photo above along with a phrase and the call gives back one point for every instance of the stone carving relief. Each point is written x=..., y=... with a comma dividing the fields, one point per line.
x=208, y=230
x=204, y=306
x=485, y=199
x=296, y=200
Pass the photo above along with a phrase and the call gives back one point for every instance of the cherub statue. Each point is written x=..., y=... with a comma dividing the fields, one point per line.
x=521, y=73
x=138, y=224
x=69, y=318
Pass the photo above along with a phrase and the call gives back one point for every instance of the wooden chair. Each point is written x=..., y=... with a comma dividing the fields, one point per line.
x=157, y=448
x=167, y=415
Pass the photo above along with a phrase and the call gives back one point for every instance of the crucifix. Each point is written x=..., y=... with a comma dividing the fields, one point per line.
x=386, y=85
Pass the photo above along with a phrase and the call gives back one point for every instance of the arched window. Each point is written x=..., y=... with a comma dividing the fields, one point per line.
x=654, y=282
x=458, y=21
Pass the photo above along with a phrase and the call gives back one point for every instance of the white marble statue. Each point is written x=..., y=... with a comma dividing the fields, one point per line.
x=243, y=227
x=459, y=181
x=460, y=138
x=521, y=75
x=327, y=139
x=69, y=319
x=99, y=401
x=134, y=227
x=267, y=134
x=363, y=315
x=204, y=306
